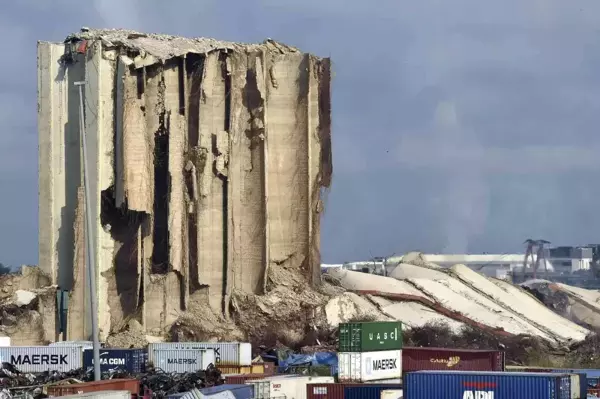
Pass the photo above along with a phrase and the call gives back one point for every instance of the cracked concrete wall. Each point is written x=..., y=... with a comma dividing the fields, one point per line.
x=207, y=170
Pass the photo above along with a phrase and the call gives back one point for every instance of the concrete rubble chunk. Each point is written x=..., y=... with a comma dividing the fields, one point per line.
x=23, y=298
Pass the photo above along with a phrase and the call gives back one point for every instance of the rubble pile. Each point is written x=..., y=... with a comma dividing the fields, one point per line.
x=16, y=384
x=27, y=307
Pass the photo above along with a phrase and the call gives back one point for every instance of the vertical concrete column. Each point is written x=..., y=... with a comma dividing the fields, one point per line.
x=314, y=124
x=246, y=174
x=211, y=208
x=99, y=123
x=52, y=117
x=287, y=168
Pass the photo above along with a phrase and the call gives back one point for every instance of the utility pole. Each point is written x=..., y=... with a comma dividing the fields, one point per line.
x=91, y=266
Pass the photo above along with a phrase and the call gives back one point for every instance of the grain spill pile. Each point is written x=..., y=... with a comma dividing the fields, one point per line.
x=206, y=159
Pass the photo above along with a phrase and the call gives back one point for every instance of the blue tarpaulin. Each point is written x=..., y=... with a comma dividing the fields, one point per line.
x=316, y=359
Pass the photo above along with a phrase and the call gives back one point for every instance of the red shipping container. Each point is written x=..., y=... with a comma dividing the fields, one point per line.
x=415, y=359
x=336, y=391
x=131, y=385
x=242, y=378
x=269, y=368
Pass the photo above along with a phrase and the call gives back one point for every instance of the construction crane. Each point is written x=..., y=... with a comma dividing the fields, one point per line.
x=538, y=247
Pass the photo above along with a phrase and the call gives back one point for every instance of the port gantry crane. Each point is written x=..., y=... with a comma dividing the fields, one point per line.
x=537, y=247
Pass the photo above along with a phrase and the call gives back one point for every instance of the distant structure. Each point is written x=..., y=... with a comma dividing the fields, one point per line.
x=537, y=246
x=572, y=265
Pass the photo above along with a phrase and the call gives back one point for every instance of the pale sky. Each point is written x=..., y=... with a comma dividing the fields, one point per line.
x=458, y=126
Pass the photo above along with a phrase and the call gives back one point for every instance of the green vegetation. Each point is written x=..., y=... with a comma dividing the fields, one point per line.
x=520, y=350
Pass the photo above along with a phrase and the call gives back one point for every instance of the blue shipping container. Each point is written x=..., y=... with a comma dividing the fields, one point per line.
x=368, y=391
x=593, y=375
x=486, y=385
x=131, y=360
x=239, y=391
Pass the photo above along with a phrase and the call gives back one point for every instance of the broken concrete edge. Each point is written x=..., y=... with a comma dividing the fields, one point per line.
x=158, y=48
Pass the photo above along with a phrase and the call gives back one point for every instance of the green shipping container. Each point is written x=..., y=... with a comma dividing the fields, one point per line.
x=370, y=336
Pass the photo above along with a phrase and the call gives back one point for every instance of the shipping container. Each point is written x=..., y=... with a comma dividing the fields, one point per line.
x=489, y=385
x=391, y=394
x=416, y=359
x=37, y=359
x=101, y=395
x=365, y=391
x=181, y=360
x=82, y=344
x=324, y=371
x=236, y=369
x=588, y=377
x=242, y=378
x=218, y=392
x=386, y=381
x=262, y=386
x=237, y=391
x=369, y=366
x=370, y=336
x=256, y=368
x=131, y=360
x=226, y=353
x=130, y=385
x=293, y=387
x=337, y=391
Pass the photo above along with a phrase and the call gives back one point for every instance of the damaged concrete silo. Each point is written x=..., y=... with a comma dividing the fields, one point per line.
x=208, y=159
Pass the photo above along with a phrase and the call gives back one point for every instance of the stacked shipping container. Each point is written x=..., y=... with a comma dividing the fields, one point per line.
x=130, y=360
x=349, y=391
x=370, y=351
x=37, y=359
x=226, y=353
x=415, y=359
x=490, y=385
x=285, y=386
x=229, y=357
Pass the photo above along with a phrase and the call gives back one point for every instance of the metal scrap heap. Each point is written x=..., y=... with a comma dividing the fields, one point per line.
x=14, y=383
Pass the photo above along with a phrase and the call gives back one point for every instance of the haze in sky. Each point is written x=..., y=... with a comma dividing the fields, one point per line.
x=458, y=126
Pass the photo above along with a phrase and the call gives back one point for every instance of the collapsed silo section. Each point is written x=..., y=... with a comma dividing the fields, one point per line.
x=209, y=158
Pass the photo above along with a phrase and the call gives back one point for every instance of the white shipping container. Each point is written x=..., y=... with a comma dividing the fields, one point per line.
x=82, y=344
x=292, y=387
x=182, y=360
x=37, y=359
x=295, y=388
x=369, y=366
x=101, y=395
x=391, y=394
x=226, y=353
x=262, y=386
